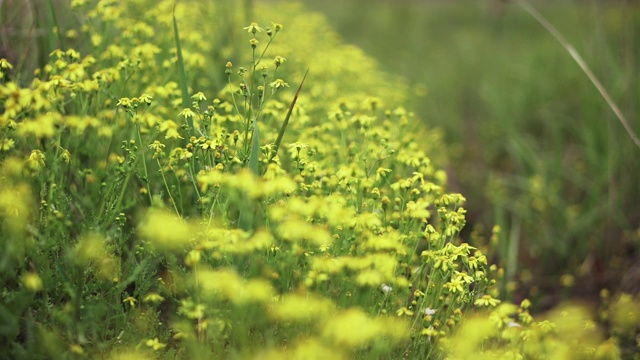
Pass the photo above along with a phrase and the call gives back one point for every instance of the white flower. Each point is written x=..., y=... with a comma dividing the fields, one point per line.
x=429, y=311
x=386, y=288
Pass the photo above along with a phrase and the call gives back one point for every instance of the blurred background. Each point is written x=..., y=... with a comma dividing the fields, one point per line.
x=531, y=143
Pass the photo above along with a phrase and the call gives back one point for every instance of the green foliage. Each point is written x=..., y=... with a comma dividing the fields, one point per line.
x=126, y=236
x=534, y=145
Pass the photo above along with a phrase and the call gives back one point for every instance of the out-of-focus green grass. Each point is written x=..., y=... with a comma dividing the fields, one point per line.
x=533, y=145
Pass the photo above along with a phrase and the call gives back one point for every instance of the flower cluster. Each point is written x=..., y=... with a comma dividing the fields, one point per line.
x=143, y=216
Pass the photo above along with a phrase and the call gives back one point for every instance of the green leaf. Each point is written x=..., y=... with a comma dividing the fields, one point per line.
x=286, y=119
x=186, y=102
x=255, y=148
x=52, y=22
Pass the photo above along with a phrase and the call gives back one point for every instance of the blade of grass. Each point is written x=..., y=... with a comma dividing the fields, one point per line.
x=255, y=148
x=513, y=248
x=246, y=211
x=52, y=21
x=286, y=119
x=583, y=66
x=181, y=69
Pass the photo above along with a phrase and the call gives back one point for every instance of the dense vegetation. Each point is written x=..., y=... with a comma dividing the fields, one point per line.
x=176, y=184
x=533, y=145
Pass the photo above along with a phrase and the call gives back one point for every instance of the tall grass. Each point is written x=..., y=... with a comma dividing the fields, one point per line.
x=540, y=150
x=148, y=214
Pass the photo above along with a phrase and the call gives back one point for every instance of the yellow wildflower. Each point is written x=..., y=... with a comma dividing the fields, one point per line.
x=253, y=28
x=404, y=311
x=36, y=160
x=131, y=300
x=487, y=300
x=153, y=297
x=32, y=281
x=155, y=344
x=455, y=285
x=7, y=144
x=279, y=83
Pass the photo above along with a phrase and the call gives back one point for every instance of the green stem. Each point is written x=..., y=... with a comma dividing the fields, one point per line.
x=166, y=185
x=583, y=66
x=144, y=165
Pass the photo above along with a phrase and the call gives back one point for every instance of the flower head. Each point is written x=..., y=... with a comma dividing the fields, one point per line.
x=278, y=60
x=487, y=300
x=253, y=28
x=153, y=297
x=155, y=344
x=279, y=83
x=429, y=311
x=130, y=300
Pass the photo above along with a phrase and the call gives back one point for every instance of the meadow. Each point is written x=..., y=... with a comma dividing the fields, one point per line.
x=531, y=140
x=233, y=180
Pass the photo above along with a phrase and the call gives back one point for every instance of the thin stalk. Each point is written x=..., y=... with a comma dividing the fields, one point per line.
x=183, y=74
x=583, y=66
x=286, y=120
x=53, y=23
x=513, y=249
x=166, y=186
x=144, y=166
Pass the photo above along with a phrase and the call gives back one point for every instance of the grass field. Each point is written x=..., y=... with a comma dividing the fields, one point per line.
x=533, y=143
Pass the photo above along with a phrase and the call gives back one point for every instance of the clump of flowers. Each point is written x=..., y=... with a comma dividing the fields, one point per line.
x=144, y=217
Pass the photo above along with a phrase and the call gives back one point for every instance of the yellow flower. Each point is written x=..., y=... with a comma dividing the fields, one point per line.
x=353, y=328
x=487, y=300
x=165, y=230
x=443, y=262
x=187, y=113
x=382, y=173
x=430, y=331
x=171, y=129
x=191, y=310
x=546, y=326
x=76, y=349
x=153, y=297
x=36, y=160
x=145, y=98
x=404, y=311
x=193, y=258
x=253, y=28
x=278, y=60
x=124, y=102
x=32, y=281
x=455, y=285
x=155, y=344
x=279, y=83
x=199, y=96
x=369, y=277
x=5, y=64
x=464, y=277
x=7, y=144
x=43, y=126
x=156, y=145
x=131, y=300
x=294, y=307
x=277, y=27
x=65, y=156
